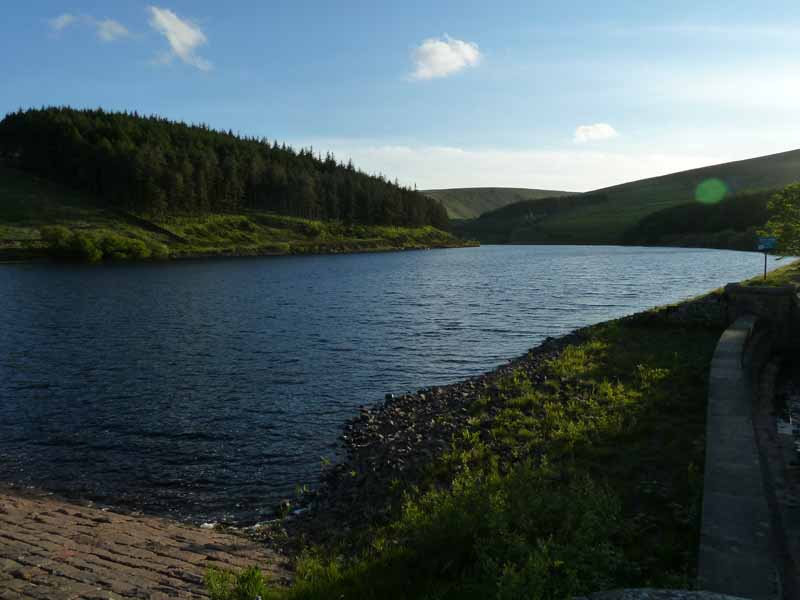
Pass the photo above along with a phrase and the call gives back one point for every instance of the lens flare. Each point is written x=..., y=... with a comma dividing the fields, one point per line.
x=711, y=191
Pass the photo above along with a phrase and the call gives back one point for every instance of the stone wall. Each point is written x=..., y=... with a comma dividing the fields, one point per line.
x=736, y=545
x=775, y=305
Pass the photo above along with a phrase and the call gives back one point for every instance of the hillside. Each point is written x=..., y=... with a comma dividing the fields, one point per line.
x=152, y=166
x=617, y=211
x=469, y=203
x=40, y=218
x=91, y=185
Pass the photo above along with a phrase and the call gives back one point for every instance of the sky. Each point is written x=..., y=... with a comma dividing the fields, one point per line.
x=454, y=93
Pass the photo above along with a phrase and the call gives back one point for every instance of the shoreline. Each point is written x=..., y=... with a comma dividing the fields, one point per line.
x=396, y=440
x=43, y=257
x=399, y=438
x=373, y=427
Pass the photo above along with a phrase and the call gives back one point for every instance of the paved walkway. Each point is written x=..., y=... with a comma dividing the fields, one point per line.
x=735, y=555
x=54, y=550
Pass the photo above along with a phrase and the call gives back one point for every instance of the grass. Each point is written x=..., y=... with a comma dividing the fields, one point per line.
x=265, y=233
x=29, y=206
x=786, y=275
x=588, y=479
x=469, y=203
x=629, y=203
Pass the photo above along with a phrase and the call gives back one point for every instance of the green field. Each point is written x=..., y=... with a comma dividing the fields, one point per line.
x=29, y=204
x=623, y=207
x=469, y=203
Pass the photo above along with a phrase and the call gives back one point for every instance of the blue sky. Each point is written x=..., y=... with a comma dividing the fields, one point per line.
x=567, y=95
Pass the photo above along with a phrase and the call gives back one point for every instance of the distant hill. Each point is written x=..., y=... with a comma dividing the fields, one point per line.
x=617, y=214
x=469, y=203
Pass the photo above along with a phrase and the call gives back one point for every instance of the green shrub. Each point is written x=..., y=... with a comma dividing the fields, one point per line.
x=84, y=247
x=158, y=250
x=94, y=246
x=117, y=247
x=71, y=245
x=227, y=585
x=56, y=236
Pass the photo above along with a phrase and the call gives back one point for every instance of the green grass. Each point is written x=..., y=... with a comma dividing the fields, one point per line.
x=629, y=203
x=786, y=275
x=588, y=480
x=29, y=205
x=469, y=203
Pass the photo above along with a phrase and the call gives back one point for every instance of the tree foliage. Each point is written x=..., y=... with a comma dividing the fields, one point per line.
x=154, y=166
x=784, y=219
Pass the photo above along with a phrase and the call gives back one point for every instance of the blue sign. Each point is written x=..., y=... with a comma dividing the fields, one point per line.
x=767, y=243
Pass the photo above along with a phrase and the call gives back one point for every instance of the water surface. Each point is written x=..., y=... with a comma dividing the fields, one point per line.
x=211, y=389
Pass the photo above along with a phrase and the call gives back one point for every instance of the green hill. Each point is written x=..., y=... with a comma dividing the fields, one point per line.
x=40, y=218
x=612, y=215
x=154, y=166
x=469, y=203
x=91, y=184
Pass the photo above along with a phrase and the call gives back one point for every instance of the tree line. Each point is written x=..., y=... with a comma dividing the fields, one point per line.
x=154, y=166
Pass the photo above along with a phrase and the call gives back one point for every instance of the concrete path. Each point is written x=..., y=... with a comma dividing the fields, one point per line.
x=736, y=553
x=54, y=550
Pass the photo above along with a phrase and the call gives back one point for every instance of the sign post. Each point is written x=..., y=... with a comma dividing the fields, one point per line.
x=765, y=244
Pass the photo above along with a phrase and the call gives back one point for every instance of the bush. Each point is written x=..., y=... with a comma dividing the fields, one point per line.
x=227, y=585
x=84, y=247
x=72, y=245
x=56, y=236
x=117, y=247
x=92, y=247
x=158, y=250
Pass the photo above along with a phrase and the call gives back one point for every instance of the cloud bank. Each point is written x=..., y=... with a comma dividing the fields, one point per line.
x=593, y=133
x=183, y=36
x=441, y=57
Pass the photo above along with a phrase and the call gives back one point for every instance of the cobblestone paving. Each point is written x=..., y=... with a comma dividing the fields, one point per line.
x=54, y=550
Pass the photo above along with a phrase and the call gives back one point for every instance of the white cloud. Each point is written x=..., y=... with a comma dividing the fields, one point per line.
x=440, y=57
x=109, y=30
x=572, y=170
x=62, y=21
x=184, y=37
x=591, y=133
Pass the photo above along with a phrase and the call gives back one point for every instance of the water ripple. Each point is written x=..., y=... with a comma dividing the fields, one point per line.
x=211, y=389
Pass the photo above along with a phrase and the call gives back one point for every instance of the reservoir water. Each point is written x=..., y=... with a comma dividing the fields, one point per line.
x=210, y=390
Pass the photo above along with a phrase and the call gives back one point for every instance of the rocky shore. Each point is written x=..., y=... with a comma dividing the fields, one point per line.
x=390, y=447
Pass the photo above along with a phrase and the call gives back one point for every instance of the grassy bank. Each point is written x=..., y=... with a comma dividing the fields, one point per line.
x=786, y=275
x=39, y=219
x=578, y=468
